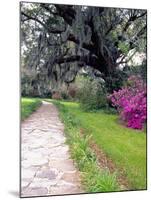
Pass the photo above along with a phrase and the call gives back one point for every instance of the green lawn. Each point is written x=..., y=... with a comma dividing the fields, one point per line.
x=126, y=147
x=28, y=106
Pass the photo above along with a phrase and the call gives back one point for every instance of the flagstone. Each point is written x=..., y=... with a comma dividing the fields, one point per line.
x=46, y=164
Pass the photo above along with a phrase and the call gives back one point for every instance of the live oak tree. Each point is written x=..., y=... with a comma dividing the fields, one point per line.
x=58, y=40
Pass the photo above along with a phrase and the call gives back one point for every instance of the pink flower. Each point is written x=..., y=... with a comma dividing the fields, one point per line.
x=131, y=102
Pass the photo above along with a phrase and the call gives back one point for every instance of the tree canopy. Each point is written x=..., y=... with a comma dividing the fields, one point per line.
x=58, y=40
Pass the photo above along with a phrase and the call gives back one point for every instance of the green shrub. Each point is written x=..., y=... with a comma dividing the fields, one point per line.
x=116, y=80
x=92, y=95
x=64, y=95
x=140, y=70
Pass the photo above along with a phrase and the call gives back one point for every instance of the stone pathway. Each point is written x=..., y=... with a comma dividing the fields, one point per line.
x=46, y=166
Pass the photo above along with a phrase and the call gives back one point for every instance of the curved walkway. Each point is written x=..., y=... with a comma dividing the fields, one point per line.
x=46, y=166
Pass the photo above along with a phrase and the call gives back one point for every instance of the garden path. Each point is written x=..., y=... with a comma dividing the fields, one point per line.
x=46, y=165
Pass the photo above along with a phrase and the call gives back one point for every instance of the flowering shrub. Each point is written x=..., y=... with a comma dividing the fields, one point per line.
x=131, y=103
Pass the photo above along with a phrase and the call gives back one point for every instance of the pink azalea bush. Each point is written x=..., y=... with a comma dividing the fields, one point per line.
x=131, y=102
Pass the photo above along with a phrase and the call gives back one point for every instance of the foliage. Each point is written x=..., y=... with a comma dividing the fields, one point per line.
x=92, y=95
x=64, y=95
x=72, y=91
x=131, y=102
x=28, y=106
x=124, y=47
x=140, y=70
x=94, y=179
x=33, y=84
x=115, y=80
x=126, y=147
x=56, y=95
x=63, y=91
x=57, y=40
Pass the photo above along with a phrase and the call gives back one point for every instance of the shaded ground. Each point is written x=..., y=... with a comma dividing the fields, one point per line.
x=46, y=166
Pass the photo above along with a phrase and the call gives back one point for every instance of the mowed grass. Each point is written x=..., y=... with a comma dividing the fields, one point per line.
x=28, y=106
x=93, y=178
x=126, y=147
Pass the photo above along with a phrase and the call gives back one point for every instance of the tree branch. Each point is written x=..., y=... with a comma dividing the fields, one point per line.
x=46, y=7
x=50, y=30
x=87, y=46
x=132, y=19
x=67, y=12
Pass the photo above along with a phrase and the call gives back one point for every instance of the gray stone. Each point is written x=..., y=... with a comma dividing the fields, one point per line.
x=46, y=166
x=35, y=191
x=47, y=173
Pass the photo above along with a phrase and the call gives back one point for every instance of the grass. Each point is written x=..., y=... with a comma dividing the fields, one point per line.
x=28, y=106
x=126, y=147
x=94, y=179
